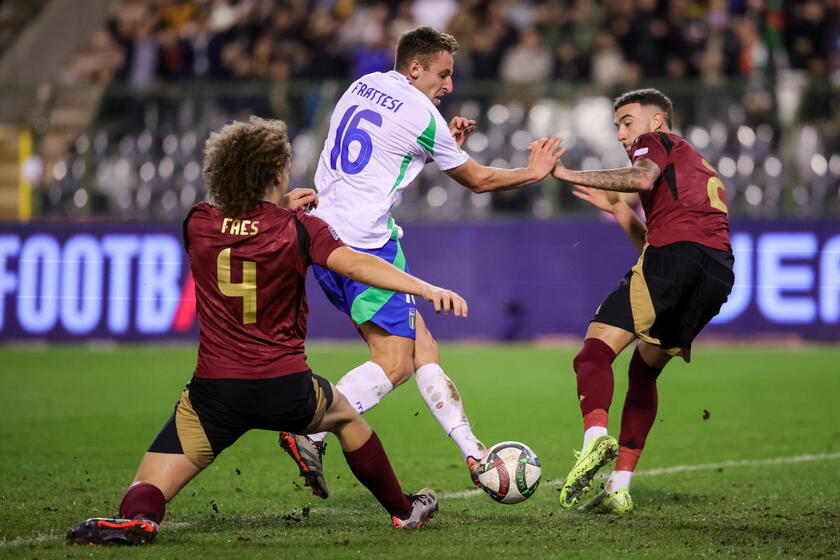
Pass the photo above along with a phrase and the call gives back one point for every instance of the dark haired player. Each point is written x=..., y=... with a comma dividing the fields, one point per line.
x=682, y=278
x=249, y=253
x=384, y=129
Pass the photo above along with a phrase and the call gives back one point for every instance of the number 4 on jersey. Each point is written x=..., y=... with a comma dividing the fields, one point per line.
x=247, y=289
x=348, y=133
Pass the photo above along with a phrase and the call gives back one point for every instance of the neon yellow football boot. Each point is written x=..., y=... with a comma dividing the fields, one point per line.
x=619, y=502
x=598, y=452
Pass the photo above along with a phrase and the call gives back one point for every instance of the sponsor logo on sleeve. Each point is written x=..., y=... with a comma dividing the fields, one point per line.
x=640, y=152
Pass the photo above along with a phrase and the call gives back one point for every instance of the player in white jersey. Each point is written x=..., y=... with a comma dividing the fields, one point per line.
x=384, y=129
x=381, y=133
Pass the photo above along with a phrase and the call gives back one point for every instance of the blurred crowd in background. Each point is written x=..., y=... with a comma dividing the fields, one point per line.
x=521, y=42
x=755, y=84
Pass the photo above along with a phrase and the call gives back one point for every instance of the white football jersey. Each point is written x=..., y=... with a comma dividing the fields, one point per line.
x=381, y=132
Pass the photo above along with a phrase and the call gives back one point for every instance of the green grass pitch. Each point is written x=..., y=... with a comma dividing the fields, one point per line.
x=759, y=478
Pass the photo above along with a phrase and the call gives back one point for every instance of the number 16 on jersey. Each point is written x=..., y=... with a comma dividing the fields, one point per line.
x=349, y=133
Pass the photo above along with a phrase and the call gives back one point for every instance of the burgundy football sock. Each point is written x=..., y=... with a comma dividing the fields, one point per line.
x=627, y=459
x=639, y=412
x=143, y=500
x=371, y=466
x=596, y=418
x=593, y=366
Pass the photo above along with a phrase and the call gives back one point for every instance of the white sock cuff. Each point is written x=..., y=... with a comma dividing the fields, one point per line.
x=618, y=479
x=364, y=386
x=592, y=433
x=426, y=370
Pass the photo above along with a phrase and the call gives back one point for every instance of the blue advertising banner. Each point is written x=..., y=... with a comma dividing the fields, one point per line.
x=523, y=280
x=100, y=281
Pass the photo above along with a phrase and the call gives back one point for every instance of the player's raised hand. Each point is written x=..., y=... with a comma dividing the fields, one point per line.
x=446, y=301
x=297, y=198
x=545, y=154
x=601, y=199
x=461, y=128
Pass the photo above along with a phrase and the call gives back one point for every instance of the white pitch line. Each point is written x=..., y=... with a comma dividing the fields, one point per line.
x=684, y=468
x=468, y=493
x=30, y=540
x=742, y=463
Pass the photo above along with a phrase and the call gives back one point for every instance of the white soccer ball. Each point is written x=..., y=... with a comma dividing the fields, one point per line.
x=510, y=472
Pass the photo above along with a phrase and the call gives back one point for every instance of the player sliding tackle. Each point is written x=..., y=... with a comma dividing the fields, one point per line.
x=682, y=278
x=384, y=129
x=249, y=252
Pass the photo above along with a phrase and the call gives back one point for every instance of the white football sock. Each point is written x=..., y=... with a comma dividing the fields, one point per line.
x=363, y=387
x=618, y=479
x=592, y=433
x=444, y=402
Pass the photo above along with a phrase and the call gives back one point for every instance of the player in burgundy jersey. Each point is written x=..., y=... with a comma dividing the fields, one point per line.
x=249, y=251
x=682, y=278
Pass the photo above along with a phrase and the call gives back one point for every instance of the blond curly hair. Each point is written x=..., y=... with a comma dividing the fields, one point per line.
x=241, y=160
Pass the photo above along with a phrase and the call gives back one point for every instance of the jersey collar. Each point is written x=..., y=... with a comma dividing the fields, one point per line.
x=399, y=76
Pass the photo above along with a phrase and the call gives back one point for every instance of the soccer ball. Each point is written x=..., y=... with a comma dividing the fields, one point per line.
x=510, y=472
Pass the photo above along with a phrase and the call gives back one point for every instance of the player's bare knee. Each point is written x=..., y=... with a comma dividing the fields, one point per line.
x=169, y=472
x=346, y=423
x=425, y=345
x=357, y=423
x=654, y=356
x=341, y=410
x=394, y=354
x=398, y=369
x=596, y=352
x=616, y=338
x=425, y=351
x=339, y=413
x=396, y=362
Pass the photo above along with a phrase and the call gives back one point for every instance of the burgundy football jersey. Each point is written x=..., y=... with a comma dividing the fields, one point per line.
x=250, y=287
x=688, y=201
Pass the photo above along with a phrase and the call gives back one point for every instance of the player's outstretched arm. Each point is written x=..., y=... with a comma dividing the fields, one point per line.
x=641, y=177
x=611, y=201
x=481, y=178
x=373, y=271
